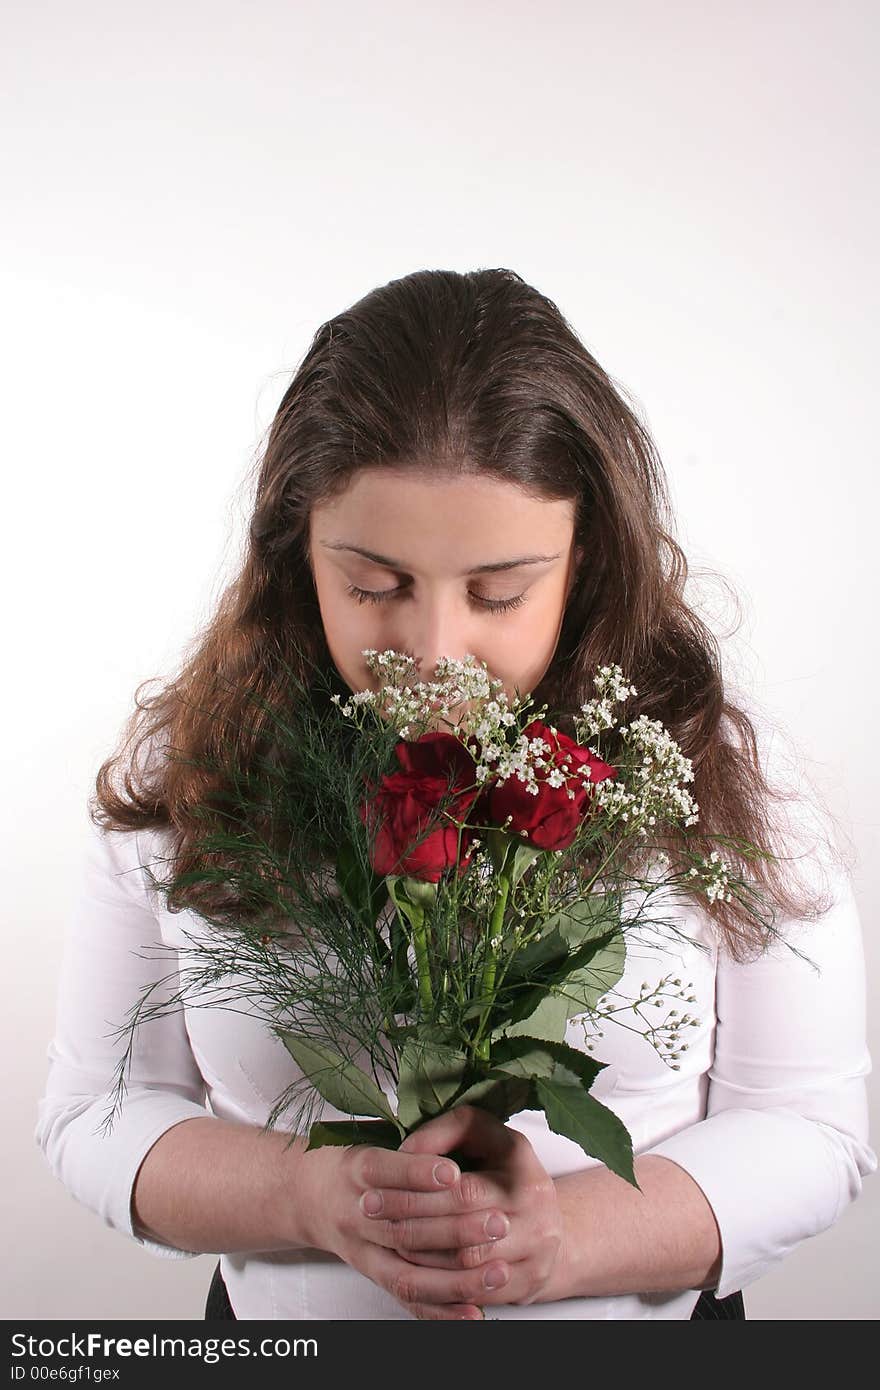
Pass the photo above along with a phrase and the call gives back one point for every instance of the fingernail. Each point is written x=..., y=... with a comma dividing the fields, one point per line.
x=371, y=1202
x=497, y=1225
x=445, y=1173
x=494, y=1278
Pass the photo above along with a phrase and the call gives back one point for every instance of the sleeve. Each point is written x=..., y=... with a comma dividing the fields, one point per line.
x=109, y=930
x=784, y=1145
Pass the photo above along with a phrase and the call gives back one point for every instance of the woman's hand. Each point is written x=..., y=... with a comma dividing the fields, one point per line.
x=511, y=1183
x=432, y=1213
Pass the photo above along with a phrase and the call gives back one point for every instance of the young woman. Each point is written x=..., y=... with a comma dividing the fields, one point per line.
x=451, y=472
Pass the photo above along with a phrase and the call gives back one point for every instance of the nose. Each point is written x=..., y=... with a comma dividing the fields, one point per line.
x=434, y=628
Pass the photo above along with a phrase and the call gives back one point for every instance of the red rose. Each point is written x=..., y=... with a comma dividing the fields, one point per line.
x=551, y=818
x=407, y=802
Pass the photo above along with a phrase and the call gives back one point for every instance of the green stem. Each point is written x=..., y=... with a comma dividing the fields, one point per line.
x=398, y=953
x=423, y=966
x=490, y=965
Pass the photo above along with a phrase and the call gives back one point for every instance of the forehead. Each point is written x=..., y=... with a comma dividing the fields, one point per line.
x=378, y=501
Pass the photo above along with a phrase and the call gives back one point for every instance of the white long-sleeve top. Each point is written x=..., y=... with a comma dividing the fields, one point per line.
x=766, y=1110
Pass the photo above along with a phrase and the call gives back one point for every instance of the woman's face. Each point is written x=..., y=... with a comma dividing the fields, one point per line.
x=449, y=565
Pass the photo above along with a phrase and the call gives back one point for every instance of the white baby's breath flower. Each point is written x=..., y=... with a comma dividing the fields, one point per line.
x=650, y=790
x=713, y=874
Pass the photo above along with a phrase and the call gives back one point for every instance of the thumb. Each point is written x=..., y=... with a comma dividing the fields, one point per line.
x=465, y=1128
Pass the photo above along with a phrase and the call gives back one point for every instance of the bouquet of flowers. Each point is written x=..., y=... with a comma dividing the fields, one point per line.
x=458, y=899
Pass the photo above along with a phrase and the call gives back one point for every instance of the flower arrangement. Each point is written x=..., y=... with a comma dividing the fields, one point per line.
x=476, y=904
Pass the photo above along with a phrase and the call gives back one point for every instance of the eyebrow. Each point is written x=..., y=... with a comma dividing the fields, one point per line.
x=494, y=568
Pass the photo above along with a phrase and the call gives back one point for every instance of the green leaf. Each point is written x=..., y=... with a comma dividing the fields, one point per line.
x=524, y=980
x=522, y=1056
x=546, y=951
x=499, y=845
x=410, y=911
x=574, y=1113
x=597, y=919
x=430, y=1074
x=573, y=957
x=419, y=892
x=404, y=995
x=501, y=1094
x=344, y=1085
x=523, y=856
x=402, y=985
x=346, y=1132
x=573, y=1066
x=526, y=988
x=589, y=916
x=399, y=1032
x=529, y=1056
x=538, y=1014
x=587, y=955
x=579, y=957
x=363, y=891
x=585, y=987
x=436, y=1033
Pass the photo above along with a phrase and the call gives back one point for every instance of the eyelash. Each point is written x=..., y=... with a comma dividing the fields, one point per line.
x=503, y=605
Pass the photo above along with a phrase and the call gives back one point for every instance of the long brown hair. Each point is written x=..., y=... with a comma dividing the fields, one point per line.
x=472, y=373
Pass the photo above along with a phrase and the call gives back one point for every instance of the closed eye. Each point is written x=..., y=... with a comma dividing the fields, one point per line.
x=494, y=605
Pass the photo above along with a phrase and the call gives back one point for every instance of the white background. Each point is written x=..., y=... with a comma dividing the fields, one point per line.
x=192, y=188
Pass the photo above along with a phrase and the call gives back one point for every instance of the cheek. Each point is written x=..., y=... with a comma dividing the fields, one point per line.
x=347, y=627
x=351, y=627
x=529, y=644
x=340, y=614
x=540, y=621
x=518, y=648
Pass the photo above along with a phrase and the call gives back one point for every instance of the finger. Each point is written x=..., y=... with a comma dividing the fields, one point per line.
x=389, y=1168
x=433, y=1259
x=466, y=1257
x=410, y=1283
x=467, y=1128
x=439, y=1233
x=437, y=1312
x=474, y=1195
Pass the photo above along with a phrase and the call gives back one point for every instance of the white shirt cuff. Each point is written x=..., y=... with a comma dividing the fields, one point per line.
x=66, y=1132
x=772, y=1177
